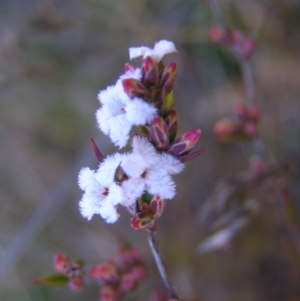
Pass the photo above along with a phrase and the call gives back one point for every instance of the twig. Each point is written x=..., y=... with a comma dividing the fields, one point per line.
x=217, y=14
x=154, y=245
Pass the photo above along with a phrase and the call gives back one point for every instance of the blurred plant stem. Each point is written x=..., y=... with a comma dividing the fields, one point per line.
x=154, y=245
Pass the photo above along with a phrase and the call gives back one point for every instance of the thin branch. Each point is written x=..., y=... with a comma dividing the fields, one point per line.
x=217, y=14
x=248, y=81
x=154, y=245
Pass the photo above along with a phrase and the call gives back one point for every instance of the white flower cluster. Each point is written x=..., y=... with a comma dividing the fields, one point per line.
x=145, y=168
x=118, y=112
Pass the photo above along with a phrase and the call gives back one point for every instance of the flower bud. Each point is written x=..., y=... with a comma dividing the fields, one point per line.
x=150, y=72
x=241, y=110
x=106, y=272
x=159, y=134
x=220, y=35
x=128, y=282
x=157, y=206
x=253, y=114
x=172, y=125
x=76, y=283
x=61, y=262
x=250, y=129
x=134, y=88
x=168, y=78
x=109, y=293
x=185, y=143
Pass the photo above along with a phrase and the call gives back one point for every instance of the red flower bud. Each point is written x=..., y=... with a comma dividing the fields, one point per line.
x=168, y=78
x=241, y=110
x=159, y=134
x=61, y=262
x=150, y=72
x=76, y=283
x=185, y=143
x=106, y=272
x=109, y=293
x=141, y=220
x=250, y=129
x=128, y=282
x=172, y=125
x=148, y=213
x=220, y=35
x=134, y=88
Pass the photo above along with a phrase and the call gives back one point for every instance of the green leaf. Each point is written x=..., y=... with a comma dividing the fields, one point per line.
x=53, y=279
x=144, y=130
x=168, y=104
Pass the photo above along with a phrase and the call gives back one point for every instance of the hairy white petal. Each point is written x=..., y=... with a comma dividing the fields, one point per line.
x=170, y=164
x=109, y=213
x=160, y=49
x=132, y=189
x=85, y=177
x=135, y=52
x=140, y=112
x=106, y=172
x=161, y=183
x=142, y=146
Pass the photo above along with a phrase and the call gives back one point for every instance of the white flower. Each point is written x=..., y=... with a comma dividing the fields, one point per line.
x=93, y=195
x=119, y=113
x=160, y=49
x=101, y=193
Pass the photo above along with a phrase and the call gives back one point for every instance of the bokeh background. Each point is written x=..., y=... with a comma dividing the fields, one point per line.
x=54, y=58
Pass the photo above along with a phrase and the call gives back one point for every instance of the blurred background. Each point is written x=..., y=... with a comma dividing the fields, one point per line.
x=54, y=58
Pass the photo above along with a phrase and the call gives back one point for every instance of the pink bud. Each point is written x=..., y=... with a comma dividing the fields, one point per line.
x=141, y=220
x=243, y=46
x=220, y=35
x=134, y=88
x=106, y=271
x=150, y=71
x=185, y=143
x=61, y=262
x=76, y=284
x=172, y=125
x=226, y=127
x=250, y=129
x=109, y=293
x=241, y=110
x=253, y=114
x=128, y=282
x=159, y=134
x=138, y=273
x=168, y=78
x=157, y=206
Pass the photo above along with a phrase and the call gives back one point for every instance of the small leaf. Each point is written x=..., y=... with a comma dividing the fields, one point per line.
x=53, y=279
x=97, y=151
x=168, y=104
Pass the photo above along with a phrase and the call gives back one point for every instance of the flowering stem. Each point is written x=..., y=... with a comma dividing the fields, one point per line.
x=154, y=245
x=216, y=12
x=248, y=80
